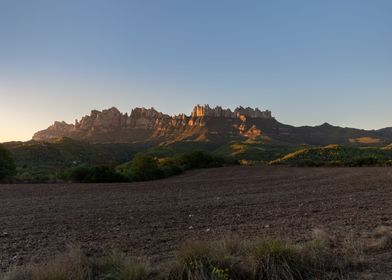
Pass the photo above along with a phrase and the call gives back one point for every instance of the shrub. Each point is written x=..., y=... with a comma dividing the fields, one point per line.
x=196, y=260
x=118, y=266
x=79, y=174
x=145, y=168
x=7, y=166
x=365, y=161
x=276, y=259
x=170, y=167
x=95, y=174
x=273, y=259
x=199, y=159
x=103, y=174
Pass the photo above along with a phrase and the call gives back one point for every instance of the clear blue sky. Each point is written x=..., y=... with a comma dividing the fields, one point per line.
x=309, y=62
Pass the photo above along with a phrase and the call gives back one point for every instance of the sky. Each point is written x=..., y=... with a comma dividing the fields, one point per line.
x=308, y=61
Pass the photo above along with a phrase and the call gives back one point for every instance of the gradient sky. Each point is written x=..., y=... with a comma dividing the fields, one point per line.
x=309, y=62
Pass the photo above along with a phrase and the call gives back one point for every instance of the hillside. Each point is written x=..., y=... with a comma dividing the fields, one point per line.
x=336, y=155
x=258, y=151
x=65, y=152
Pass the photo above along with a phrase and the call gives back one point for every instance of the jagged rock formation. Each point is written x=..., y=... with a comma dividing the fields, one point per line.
x=150, y=125
x=218, y=112
x=216, y=125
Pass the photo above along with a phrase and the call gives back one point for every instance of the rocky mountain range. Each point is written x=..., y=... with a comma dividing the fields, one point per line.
x=203, y=124
x=150, y=125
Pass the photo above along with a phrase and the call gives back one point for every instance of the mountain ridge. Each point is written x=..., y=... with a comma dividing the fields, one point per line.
x=204, y=123
x=143, y=124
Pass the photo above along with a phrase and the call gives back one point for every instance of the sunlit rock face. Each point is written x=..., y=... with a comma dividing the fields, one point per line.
x=57, y=130
x=206, y=111
x=104, y=121
x=150, y=125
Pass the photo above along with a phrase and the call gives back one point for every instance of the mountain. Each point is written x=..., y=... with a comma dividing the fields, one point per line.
x=204, y=124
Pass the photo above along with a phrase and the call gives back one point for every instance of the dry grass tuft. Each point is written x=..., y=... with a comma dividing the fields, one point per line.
x=353, y=250
x=321, y=234
x=74, y=265
x=71, y=265
x=227, y=258
x=264, y=258
x=382, y=231
x=381, y=239
x=118, y=266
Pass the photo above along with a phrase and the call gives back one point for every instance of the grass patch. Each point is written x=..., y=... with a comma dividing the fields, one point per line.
x=259, y=259
x=74, y=265
x=227, y=258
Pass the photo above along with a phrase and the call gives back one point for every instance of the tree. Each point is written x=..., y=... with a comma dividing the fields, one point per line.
x=7, y=165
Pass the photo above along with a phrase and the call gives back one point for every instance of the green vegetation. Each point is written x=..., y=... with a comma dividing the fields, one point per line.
x=95, y=174
x=336, y=155
x=38, y=162
x=141, y=168
x=255, y=151
x=144, y=167
x=181, y=147
x=7, y=166
x=41, y=157
x=198, y=159
x=224, y=259
x=76, y=161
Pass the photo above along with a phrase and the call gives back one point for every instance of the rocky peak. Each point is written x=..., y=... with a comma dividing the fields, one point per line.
x=207, y=111
x=100, y=120
x=146, y=113
x=252, y=113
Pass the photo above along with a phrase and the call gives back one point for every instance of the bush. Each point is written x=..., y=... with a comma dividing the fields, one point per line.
x=103, y=174
x=79, y=173
x=199, y=159
x=118, y=266
x=170, y=167
x=365, y=161
x=33, y=177
x=144, y=168
x=95, y=174
x=7, y=166
x=276, y=259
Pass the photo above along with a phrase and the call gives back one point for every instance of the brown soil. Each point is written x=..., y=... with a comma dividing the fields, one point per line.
x=153, y=218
